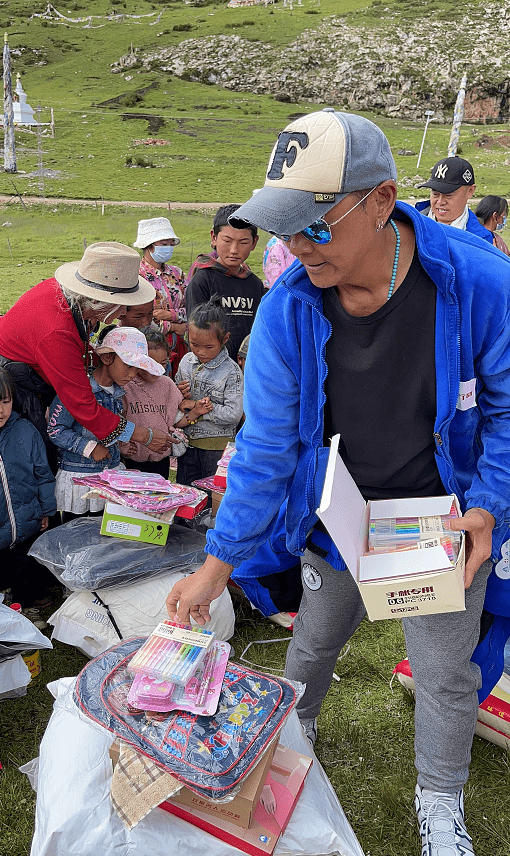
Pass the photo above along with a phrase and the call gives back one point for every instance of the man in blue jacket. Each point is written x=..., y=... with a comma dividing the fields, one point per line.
x=452, y=184
x=392, y=332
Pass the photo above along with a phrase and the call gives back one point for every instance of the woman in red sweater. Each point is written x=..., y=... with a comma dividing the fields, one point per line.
x=44, y=340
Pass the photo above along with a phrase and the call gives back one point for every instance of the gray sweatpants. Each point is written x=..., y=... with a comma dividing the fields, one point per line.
x=439, y=648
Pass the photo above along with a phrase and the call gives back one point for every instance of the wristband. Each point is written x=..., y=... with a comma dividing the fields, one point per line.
x=149, y=440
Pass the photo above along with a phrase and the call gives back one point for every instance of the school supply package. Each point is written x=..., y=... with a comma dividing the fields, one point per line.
x=280, y=793
x=400, y=552
x=208, y=754
x=149, y=493
x=74, y=815
x=220, y=477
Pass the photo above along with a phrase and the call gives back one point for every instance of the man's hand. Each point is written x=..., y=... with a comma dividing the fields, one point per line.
x=160, y=442
x=478, y=524
x=193, y=595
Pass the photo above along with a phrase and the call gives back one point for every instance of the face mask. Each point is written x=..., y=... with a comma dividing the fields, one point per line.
x=501, y=226
x=162, y=254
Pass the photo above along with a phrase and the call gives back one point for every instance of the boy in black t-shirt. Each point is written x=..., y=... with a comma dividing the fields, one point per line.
x=224, y=272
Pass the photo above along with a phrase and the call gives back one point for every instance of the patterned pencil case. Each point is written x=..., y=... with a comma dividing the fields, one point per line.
x=208, y=754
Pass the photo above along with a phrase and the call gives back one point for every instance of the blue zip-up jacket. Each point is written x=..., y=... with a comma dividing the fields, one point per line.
x=280, y=452
x=473, y=225
x=66, y=433
x=27, y=485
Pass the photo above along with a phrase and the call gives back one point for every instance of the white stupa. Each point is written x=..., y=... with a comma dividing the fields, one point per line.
x=23, y=113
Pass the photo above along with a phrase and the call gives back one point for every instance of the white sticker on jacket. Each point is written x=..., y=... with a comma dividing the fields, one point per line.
x=467, y=394
x=502, y=569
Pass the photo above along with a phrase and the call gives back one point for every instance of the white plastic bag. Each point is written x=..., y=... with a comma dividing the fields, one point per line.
x=14, y=627
x=14, y=677
x=136, y=609
x=74, y=816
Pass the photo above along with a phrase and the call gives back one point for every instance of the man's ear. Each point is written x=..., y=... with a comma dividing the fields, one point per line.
x=384, y=198
x=213, y=240
x=107, y=359
x=226, y=338
x=471, y=191
x=255, y=241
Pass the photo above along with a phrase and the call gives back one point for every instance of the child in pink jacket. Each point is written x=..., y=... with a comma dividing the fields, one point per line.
x=152, y=402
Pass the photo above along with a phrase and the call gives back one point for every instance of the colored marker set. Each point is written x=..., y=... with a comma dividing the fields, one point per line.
x=173, y=652
x=392, y=535
x=384, y=530
x=450, y=545
x=200, y=694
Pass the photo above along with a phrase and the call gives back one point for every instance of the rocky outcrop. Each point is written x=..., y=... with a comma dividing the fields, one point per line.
x=398, y=67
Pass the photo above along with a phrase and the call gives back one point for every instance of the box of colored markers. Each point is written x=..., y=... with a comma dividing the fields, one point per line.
x=173, y=652
x=423, y=571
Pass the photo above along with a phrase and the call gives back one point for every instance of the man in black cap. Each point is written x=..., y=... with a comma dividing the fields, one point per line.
x=452, y=184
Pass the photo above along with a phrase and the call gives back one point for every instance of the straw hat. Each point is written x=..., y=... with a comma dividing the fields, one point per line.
x=108, y=271
x=156, y=229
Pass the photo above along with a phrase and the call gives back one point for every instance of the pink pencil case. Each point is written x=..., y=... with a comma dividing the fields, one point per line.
x=200, y=694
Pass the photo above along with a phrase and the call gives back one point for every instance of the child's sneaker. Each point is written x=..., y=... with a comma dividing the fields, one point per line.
x=442, y=827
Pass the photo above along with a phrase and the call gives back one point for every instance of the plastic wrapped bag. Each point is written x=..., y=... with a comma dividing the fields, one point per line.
x=210, y=755
x=83, y=559
x=84, y=621
x=17, y=629
x=14, y=678
x=74, y=816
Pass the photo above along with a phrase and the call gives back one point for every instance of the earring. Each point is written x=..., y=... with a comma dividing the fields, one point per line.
x=380, y=226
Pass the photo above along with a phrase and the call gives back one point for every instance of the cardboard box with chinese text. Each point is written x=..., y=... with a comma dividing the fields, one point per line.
x=397, y=584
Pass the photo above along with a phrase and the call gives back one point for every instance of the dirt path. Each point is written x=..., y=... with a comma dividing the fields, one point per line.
x=50, y=200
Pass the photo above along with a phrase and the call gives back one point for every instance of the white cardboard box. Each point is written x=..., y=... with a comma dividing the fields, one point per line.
x=392, y=585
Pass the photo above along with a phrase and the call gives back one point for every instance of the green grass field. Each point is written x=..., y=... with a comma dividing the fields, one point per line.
x=365, y=743
x=217, y=144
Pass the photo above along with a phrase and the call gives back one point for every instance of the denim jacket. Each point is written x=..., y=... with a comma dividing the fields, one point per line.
x=221, y=380
x=66, y=433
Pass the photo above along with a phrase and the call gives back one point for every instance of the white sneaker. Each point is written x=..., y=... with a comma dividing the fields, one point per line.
x=442, y=827
x=309, y=726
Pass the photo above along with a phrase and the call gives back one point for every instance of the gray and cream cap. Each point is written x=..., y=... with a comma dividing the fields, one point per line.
x=316, y=161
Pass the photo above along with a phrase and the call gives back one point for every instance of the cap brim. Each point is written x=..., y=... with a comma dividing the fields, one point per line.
x=283, y=212
x=146, y=363
x=66, y=276
x=442, y=187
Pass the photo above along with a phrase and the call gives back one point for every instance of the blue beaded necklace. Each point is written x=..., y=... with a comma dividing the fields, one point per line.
x=395, y=260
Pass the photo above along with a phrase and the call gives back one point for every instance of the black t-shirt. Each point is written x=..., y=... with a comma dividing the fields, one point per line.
x=381, y=390
x=240, y=298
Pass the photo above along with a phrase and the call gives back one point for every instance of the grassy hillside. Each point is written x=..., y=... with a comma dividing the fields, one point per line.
x=217, y=142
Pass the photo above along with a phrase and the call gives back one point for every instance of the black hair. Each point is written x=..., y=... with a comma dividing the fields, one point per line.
x=490, y=205
x=103, y=333
x=222, y=219
x=7, y=385
x=210, y=316
x=155, y=338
